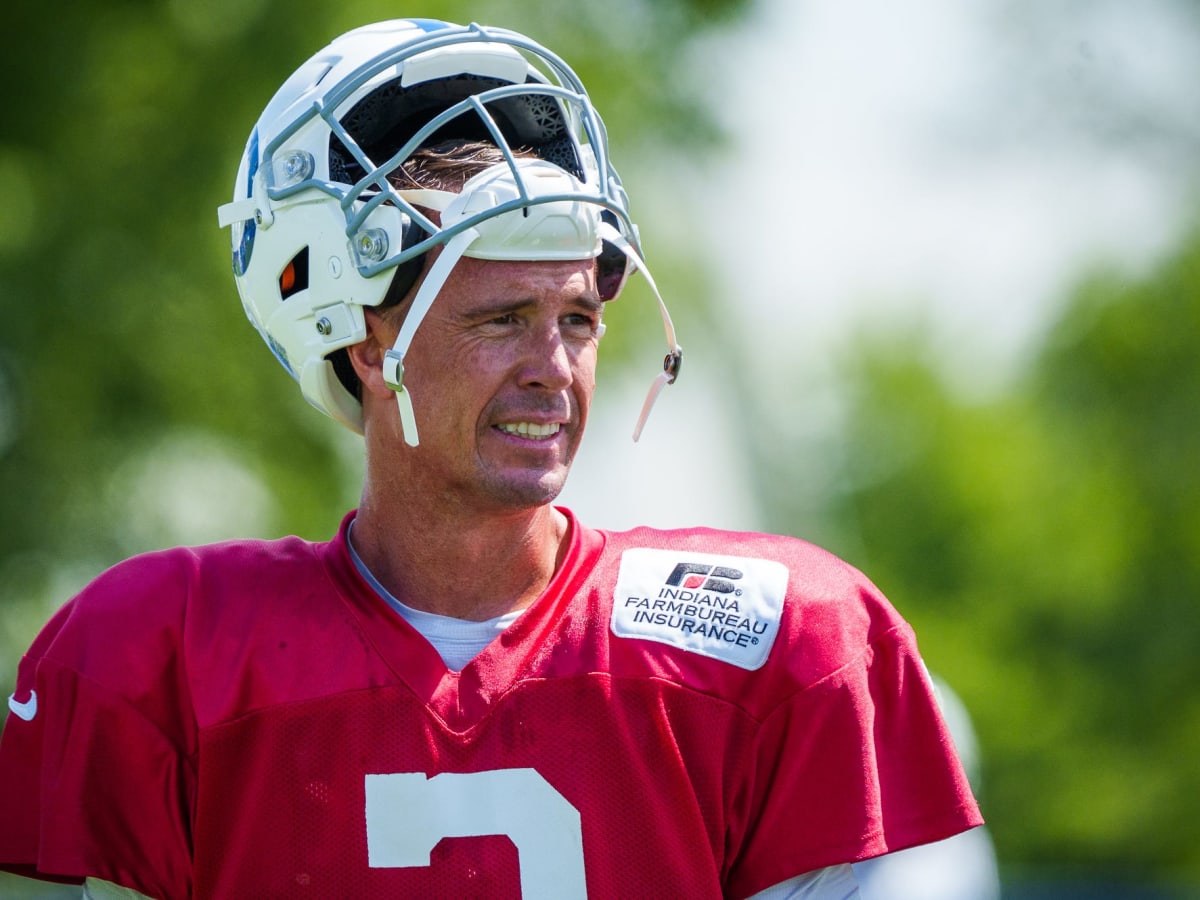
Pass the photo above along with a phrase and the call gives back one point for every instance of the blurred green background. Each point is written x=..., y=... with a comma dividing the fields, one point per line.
x=1043, y=535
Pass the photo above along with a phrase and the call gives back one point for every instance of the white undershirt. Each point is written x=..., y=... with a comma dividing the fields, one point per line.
x=458, y=641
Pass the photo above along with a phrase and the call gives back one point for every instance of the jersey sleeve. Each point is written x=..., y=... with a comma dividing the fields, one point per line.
x=857, y=764
x=93, y=785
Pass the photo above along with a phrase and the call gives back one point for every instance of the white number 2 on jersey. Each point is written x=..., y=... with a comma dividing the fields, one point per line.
x=409, y=814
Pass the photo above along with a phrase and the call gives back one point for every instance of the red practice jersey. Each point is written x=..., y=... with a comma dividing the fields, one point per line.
x=689, y=713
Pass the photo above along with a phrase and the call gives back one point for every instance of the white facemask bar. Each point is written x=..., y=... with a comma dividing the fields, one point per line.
x=457, y=247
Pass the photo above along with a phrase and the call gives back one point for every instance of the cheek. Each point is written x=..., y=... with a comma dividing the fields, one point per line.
x=452, y=377
x=584, y=378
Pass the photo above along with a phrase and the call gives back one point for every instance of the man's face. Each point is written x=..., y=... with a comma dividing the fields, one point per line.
x=501, y=373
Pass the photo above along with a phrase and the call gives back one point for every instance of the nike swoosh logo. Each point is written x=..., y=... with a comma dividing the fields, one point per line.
x=26, y=710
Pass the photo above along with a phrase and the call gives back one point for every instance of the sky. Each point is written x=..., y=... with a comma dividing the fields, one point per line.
x=956, y=165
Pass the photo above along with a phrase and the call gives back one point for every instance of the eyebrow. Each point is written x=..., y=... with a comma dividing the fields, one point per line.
x=589, y=301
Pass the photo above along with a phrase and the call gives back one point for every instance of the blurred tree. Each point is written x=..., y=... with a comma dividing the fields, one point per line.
x=1045, y=543
x=137, y=407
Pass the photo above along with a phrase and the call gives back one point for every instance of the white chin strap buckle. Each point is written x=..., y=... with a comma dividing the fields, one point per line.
x=393, y=377
x=671, y=366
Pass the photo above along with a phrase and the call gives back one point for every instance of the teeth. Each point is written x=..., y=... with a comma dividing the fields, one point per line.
x=530, y=429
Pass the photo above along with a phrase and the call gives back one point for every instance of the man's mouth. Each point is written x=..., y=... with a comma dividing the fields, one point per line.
x=530, y=429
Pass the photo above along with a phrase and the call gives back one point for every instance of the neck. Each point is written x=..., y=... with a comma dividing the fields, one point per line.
x=466, y=565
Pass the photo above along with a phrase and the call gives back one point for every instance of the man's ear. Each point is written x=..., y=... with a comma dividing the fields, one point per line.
x=367, y=355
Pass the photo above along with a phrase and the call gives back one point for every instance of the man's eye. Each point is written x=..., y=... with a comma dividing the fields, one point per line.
x=581, y=320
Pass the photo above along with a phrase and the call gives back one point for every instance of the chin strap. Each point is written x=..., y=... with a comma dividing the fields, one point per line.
x=674, y=358
x=393, y=360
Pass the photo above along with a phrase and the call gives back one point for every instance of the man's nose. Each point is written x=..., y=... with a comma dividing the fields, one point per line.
x=547, y=360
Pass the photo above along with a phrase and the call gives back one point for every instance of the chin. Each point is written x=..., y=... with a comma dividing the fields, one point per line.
x=529, y=493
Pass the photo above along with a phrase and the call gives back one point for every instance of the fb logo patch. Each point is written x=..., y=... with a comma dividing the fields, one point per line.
x=723, y=607
x=705, y=577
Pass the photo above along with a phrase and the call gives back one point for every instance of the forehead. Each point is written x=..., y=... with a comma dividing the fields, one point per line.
x=483, y=279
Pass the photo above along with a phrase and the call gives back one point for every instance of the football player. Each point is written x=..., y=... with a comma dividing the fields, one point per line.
x=467, y=692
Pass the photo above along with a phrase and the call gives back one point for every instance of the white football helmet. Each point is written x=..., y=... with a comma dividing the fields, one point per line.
x=318, y=232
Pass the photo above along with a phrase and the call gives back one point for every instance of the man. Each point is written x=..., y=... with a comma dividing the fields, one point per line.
x=467, y=692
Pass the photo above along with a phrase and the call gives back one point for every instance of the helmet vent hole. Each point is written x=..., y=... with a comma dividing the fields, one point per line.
x=546, y=115
x=294, y=277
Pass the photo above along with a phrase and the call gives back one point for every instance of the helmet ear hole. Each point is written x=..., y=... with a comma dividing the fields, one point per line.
x=294, y=277
x=344, y=370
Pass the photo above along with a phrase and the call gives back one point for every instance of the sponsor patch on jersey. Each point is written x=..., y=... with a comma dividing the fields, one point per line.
x=723, y=607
